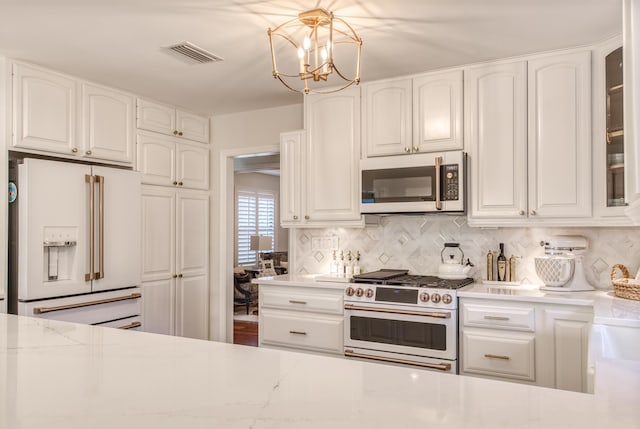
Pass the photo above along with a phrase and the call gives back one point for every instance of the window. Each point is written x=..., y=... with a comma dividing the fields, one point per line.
x=255, y=215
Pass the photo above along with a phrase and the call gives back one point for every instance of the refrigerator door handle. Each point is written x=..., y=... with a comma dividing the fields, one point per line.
x=100, y=180
x=91, y=181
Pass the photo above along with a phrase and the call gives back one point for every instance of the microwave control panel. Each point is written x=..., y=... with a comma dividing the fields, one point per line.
x=450, y=182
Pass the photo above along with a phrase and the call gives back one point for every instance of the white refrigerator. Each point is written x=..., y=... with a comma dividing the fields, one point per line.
x=75, y=243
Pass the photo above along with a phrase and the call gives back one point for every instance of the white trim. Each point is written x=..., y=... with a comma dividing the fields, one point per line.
x=225, y=228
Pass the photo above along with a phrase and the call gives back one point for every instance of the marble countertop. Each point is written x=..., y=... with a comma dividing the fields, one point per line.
x=62, y=375
x=308, y=280
x=607, y=308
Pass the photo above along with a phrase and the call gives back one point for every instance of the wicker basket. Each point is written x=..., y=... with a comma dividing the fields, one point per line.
x=621, y=287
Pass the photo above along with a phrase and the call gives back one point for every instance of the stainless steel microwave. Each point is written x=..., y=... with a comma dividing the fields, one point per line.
x=421, y=183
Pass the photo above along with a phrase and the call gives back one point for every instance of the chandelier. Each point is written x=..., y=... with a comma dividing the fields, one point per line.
x=306, y=48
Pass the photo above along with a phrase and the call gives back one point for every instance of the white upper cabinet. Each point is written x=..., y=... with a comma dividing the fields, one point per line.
x=437, y=112
x=44, y=110
x=559, y=158
x=496, y=136
x=332, y=157
x=170, y=121
x=528, y=132
x=291, y=156
x=108, y=119
x=61, y=115
x=167, y=162
x=387, y=121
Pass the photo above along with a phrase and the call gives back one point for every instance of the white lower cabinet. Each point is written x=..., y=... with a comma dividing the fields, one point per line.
x=541, y=344
x=158, y=308
x=301, y=317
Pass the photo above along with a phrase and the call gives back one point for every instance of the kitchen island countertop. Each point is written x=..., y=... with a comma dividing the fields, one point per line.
x=63, y=375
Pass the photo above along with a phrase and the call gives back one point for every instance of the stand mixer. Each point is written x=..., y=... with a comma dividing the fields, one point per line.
x=561, y=269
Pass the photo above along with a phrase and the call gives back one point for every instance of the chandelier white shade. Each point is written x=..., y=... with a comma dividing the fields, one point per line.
x=306, y=49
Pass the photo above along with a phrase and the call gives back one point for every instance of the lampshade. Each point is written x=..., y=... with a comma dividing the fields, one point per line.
x=308, y=47
x=261, y=242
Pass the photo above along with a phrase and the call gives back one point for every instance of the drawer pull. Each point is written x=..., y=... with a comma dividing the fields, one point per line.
x=298, y=332
x=293, y=301
x=438, y=366
x=131, y=325
x=496, y=318
x=490, y=356
x=42, y=310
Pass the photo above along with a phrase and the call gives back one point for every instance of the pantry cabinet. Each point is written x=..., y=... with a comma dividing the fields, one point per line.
x=406, y=116
x=170, y=121
x=166, y=161
x=175, y=261
x=60, y=115
x=319, y=167
x=533, y=343
x=301, y=317
x=534, y=168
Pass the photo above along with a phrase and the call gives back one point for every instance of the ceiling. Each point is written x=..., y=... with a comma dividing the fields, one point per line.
x=120, y=42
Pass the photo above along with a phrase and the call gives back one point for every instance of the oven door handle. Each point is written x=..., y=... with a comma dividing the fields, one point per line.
x=446, y=315
x=438, y=366
x=438, y=182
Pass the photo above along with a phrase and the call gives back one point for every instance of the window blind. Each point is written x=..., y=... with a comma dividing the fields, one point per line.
x=255, y=215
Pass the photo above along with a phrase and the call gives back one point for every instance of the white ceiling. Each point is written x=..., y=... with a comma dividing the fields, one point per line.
x=119, y=42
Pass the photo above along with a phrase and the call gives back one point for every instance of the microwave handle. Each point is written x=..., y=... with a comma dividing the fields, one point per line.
x=438, y=179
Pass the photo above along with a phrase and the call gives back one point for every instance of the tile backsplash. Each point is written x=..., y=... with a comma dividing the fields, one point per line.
x=415, y=242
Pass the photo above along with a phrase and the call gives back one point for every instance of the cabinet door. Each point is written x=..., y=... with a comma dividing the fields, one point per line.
x=559, y=105
x=44, y=107
x=192, y=166
x=107, y=124
x=333, y=154
x=437, y=112
x=156, y=117
x=192, y=127
x=158, y=306
x=192, y=233
x=387, y=118
x=158, y=233
x=192, y=307
x=564, y=338
x=291, y=147
x=157, y=159
x=496, y=135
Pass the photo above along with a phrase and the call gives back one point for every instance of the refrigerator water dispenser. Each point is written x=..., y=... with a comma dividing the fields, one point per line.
x=59, y=252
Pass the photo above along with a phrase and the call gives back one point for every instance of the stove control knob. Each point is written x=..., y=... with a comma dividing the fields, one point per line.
x=446, y=298
x=359, y=291
x=424, y=297
x=435, y=298
x=369, y=293
x=349, y=291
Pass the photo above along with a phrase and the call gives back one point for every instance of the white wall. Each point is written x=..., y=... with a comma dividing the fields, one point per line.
x=231, y=135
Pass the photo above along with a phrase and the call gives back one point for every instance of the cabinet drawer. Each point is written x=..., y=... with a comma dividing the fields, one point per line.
x=507, y=355
x=513, y=318
x=301, y=330
x=316, y=302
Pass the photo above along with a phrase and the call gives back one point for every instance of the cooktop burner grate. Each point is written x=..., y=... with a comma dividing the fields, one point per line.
x=401, y=278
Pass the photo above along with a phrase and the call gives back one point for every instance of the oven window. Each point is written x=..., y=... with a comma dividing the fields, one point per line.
x=402, y=333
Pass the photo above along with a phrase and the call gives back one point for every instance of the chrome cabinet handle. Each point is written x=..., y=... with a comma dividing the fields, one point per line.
x=490, y=356
x=416, y=149
x=74, y=150
x=307, y=217
x=521, y=212
x=88, y=152
x=532, y=212
x=295, y=217
x=293, y=301
x=407, y=149
x=298, y=332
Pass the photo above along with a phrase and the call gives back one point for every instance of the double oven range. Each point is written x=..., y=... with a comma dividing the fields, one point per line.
x=396, y=317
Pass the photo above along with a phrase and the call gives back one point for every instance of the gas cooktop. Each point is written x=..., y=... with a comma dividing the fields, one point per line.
x=402, y=278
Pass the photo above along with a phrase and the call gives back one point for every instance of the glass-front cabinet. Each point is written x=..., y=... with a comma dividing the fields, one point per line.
x=614, y=134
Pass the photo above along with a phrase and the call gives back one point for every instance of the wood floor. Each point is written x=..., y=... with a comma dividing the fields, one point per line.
x=245, y=333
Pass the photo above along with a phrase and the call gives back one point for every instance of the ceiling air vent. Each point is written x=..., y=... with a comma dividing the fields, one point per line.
x=194, y=54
